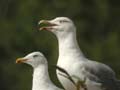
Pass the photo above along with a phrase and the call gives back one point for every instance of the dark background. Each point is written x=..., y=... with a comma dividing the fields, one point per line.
x=98, y=34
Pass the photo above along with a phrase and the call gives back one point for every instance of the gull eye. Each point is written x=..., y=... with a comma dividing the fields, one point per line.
x=35, y=56
x=63, y=21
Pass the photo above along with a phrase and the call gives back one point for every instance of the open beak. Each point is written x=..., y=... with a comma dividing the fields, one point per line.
x=21, y=60
x=48, y=25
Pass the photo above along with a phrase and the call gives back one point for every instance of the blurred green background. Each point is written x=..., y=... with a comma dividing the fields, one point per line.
x=98, y=34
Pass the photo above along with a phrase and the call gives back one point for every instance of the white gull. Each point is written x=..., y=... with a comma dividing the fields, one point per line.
x=41, y=79
x=98, y=75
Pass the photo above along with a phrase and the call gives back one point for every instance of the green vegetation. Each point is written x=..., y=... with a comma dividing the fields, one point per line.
x=98, y=33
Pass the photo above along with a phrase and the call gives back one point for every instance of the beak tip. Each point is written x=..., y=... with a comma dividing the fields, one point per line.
x=41, y=21
x=40, y=29
x=17, y=61
x=21, y=60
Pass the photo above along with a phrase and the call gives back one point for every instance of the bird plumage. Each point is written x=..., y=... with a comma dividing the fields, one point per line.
x=41, y=79
x=98, y=76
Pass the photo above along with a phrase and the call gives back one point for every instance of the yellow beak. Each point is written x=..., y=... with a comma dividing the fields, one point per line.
x=21, y=60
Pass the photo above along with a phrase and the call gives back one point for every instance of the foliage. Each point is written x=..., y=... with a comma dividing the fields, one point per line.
x=98, y=29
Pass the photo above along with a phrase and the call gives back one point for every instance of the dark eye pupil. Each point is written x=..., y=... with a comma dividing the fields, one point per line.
x=61, y=21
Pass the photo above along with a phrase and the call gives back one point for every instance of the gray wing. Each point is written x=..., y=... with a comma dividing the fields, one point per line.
x=103, y=74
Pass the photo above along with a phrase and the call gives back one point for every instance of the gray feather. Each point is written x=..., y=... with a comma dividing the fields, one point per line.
x=101, y=73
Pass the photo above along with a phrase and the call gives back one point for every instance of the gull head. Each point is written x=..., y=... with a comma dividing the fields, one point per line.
x=34, y=59
x=59, y=25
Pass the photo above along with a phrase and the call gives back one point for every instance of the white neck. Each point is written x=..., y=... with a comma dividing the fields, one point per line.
x=68, y=47
x=41, y=78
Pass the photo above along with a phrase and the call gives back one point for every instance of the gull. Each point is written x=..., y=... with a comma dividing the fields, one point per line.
x=41, y=79
x=98, y=76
